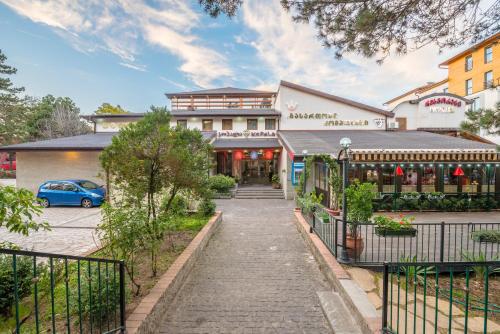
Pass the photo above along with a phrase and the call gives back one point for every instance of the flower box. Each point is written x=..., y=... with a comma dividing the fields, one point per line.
x=403, y=232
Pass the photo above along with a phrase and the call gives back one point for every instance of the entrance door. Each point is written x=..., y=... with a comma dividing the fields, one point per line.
x=256, y=171
x=402, y=123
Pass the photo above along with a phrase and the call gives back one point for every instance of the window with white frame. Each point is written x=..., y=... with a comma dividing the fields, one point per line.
x=488, y=54
x=468, y=86
x=468, y=63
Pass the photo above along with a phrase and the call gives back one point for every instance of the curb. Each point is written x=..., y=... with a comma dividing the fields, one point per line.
x=354, y=297
x=147, y=316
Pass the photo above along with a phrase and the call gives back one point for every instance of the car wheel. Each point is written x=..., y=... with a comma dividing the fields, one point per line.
x=86, y=203
x=44, y=202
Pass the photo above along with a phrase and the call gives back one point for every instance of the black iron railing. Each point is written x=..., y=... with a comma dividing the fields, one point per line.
x=439, y=242
x=44, y=292
x=436, y=297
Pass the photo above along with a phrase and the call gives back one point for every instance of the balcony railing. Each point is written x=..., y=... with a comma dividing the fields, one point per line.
x=222, y=102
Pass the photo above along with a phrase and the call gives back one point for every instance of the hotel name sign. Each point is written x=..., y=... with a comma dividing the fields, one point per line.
x=246, y=134
x=330, y=119
x=442, y=104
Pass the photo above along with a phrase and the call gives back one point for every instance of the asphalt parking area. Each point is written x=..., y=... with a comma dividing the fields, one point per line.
x=73, y=231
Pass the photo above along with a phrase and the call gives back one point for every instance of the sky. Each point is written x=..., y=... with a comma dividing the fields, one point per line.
x=132, y=52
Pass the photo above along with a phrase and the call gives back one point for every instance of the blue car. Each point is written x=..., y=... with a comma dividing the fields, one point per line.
x=71, y=192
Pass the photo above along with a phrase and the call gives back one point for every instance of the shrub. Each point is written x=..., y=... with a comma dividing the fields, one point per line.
x=360, y=202
x=275, y=179
x=486, y=236
x=221, y=183
x=206, y=207
x=24, y=267
x=179, y=206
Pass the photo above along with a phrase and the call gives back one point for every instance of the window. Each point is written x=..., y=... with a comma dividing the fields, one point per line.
x=69, y=187
x=182, y=123
x=227, y=124
x=488, y=54
x=207, y=125
x=409, y=180
x=488, y=79
x=468, y=87
x=270, y=124
x=252, y=124
x=468, y=63
x=428, y=179
x=445, y=90
x=475, y=105
x=87, y=185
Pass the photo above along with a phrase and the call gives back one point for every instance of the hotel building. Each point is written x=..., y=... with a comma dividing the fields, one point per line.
x=258, y=134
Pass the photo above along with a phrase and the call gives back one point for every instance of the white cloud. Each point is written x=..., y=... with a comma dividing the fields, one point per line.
x=291, y=51
x=119, y=27
x=140, y=68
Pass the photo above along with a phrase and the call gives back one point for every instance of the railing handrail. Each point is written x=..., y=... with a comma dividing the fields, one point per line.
x=54, y=255
x=442, y=264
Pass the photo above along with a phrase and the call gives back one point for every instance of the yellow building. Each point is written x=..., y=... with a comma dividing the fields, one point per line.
x=475, y=69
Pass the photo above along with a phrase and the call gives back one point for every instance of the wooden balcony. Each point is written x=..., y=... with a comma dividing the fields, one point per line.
x=223, y=102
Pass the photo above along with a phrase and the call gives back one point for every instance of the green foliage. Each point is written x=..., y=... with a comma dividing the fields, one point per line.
x=389, y=223
x=151, y=164
x=275, y=179
x=221, y=183
x=54, y=117
x=486, y=236
x=178, y=207
x=360, y=198
x=17, y=210
x=24, y=267
x=479, y=270
x=415, y=274
x=375, y=28
x=310, y=201
x=206, y=207
x=109, y=109
x=488, y=119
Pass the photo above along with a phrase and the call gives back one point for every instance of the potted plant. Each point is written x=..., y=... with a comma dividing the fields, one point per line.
x=323, y=216
x=390, y=227
x=359, y=210
x=275, y=181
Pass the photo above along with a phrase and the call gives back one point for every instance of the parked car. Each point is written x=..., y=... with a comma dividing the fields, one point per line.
x=5, y=165
x=71, y=192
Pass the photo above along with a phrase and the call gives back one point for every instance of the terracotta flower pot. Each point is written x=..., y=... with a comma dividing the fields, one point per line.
x=355, y=246
x=333, y=212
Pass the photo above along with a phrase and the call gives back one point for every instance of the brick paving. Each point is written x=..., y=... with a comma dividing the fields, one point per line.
x=255, y=276
x=73, y=231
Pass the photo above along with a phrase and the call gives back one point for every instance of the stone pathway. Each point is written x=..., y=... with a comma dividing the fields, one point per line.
x=72, y=232
x=255, y=276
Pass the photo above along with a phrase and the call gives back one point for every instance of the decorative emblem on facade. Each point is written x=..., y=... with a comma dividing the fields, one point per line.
x=292, y=105
x=379, y=122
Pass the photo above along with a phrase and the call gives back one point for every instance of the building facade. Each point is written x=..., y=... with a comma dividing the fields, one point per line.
x=256, y=135
x=473, y=74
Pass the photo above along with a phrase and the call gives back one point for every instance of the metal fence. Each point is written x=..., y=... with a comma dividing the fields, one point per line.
x=439, y=242
x=44, y=292
x=437, y=297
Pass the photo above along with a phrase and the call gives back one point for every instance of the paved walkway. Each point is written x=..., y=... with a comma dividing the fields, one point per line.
x=256, y=276
x=73, y=231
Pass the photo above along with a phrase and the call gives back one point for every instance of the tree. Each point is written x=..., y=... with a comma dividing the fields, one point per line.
x=107, y=108
x=488, y=119
x=150, y=164
x=17, y=210
x=14, y=109
x=378, y=27
x=55, y=117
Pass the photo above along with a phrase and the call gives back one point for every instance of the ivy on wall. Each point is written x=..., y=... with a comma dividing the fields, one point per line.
x=335, y=179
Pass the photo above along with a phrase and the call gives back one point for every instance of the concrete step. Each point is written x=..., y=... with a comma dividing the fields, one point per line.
x=260, y=192
x=337, y=313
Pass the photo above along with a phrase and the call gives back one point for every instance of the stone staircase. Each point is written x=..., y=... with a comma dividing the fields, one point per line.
x=258, y=192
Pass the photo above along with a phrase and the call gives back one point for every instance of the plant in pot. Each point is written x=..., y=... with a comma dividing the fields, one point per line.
x=310, y=201
x=359, y=210
x=275, y=181
x=390, y=227
x=323, y=216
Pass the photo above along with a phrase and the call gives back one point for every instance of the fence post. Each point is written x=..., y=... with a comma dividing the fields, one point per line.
x=385, y=296
x=122, y=296
x=441, y=243
x=335, y=235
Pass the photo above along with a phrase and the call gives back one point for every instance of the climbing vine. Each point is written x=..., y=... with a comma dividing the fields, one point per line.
x=335, y=179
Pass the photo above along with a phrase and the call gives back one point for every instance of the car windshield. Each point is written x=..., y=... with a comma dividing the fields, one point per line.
x=87, y=185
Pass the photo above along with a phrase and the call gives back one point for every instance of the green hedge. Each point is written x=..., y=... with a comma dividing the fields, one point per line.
x=486, y=236
x=221, y=183
x=435, y=201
